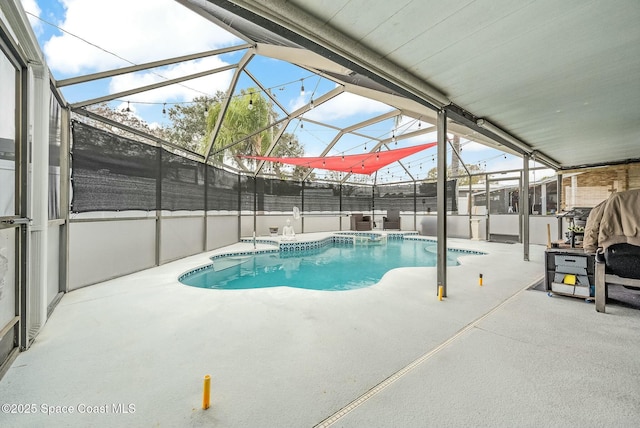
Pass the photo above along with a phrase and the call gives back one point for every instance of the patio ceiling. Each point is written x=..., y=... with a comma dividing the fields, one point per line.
x=558, y=80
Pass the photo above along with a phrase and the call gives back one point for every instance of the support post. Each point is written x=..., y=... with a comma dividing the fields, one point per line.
x=559, y=203
x=65, y=196
x=442, y=200
x=524, y=202
x=487, y=205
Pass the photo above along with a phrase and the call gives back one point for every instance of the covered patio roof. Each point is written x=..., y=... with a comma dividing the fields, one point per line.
x=557, y=81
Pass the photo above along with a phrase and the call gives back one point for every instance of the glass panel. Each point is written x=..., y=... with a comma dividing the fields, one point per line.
x=7, y=137
x=7, y=276
x=55, y=134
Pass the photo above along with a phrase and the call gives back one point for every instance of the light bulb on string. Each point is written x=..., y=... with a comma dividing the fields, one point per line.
x=164, y=109
x=302, y=87
x=250, y=106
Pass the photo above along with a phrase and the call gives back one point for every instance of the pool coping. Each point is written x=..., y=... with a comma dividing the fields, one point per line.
x=341, y=237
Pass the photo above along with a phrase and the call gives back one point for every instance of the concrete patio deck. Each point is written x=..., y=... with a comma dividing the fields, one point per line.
x=133, y=352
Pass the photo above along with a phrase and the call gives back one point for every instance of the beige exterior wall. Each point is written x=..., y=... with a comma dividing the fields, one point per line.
x=587, y=188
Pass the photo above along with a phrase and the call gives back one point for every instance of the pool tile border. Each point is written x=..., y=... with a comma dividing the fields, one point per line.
x=344, y=238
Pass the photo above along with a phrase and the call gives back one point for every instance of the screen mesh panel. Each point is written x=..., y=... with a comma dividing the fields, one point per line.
x=115, y=173
x=222, y=190
x=278, y=195
x=426, y=196
x=247, y=195
x=112, y=173
x=357, y=198
x=321, y=197
x=182, y=183
x=395, y=196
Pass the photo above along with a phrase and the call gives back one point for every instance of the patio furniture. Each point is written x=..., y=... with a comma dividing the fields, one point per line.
x=360, y=221
x=391, y=220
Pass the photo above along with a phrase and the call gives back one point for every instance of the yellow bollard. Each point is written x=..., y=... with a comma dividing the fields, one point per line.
x=440, y=291
x=206, y=393
x=480, y=280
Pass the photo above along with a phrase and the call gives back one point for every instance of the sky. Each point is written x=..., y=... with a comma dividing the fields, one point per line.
x=80, y=37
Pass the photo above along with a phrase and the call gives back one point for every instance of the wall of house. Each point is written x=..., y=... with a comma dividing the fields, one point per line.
x=589, y=187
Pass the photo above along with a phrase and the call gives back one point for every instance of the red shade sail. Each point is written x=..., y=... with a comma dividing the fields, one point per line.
x=366, y=163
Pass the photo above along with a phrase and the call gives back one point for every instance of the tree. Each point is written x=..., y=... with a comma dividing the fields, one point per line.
x=129, y=119
x=188, y=127
x=248, y=129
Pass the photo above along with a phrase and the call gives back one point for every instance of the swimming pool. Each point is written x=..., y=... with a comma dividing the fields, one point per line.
x=334, y=267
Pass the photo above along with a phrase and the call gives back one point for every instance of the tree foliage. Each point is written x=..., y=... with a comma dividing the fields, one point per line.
x=123, y=117
x=249, y=128
x=188, y=127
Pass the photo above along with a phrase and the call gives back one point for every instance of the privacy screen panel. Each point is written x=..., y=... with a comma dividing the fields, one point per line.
x=112, y=173
x=395, y=196
x=247, y=193
x=223, y=193
x=182, y=183
x=278, y=195
x=321, y=197
x=426, y=196
x=357, y=198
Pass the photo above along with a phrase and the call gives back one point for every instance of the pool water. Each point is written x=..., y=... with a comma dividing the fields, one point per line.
x=334, y=267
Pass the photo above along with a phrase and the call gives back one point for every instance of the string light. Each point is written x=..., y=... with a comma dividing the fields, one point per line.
x=164, y=109
x=250, y=106
x=311, y=105
x=127, y=110
x=302, y=87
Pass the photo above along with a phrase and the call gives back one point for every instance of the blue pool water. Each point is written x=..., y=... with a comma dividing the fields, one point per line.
x=334, y=267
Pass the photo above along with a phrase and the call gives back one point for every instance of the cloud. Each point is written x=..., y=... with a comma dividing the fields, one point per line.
x=343, y=106
x=184, y=91
x=138, y=31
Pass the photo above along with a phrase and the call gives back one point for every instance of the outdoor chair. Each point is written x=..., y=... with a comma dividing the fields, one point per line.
x=361, y=222
x=391, y=220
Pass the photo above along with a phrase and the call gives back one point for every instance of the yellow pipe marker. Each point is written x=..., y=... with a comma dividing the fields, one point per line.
x=440, y=291
x=206, y=393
